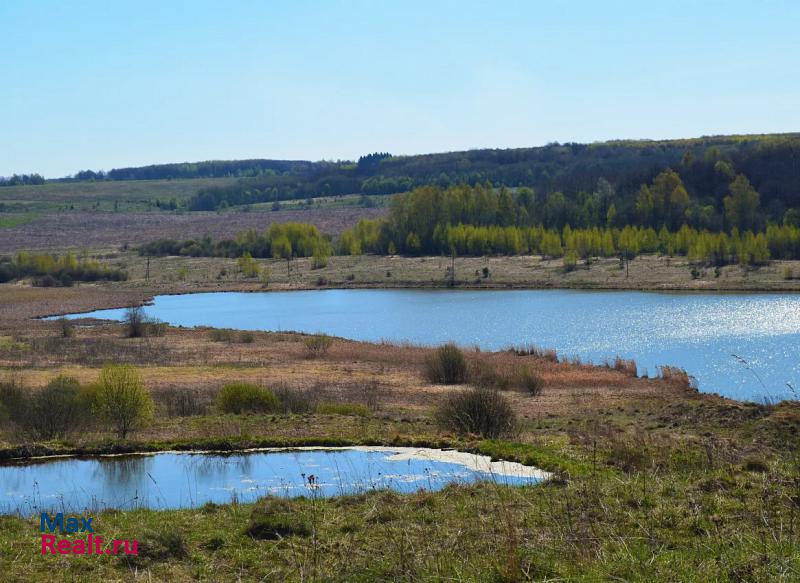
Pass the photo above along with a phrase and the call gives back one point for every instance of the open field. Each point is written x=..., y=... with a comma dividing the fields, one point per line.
x=91, y=230
x=128, y=195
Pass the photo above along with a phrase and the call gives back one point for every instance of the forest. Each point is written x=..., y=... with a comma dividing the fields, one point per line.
x=565, y=175
x=481, y=220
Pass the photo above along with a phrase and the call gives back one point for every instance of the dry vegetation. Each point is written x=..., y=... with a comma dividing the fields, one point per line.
x=79, y=230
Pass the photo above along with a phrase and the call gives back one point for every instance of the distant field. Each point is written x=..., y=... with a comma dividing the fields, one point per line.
x=128, y=195
x=77, y=230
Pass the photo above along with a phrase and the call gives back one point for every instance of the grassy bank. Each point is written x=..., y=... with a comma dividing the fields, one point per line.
x=634, y=507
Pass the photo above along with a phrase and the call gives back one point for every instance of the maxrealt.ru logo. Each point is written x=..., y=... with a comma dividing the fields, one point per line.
x=91, y=545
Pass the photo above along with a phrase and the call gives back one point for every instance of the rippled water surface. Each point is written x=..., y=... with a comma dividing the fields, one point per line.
x=180, y=480
x=745, y=346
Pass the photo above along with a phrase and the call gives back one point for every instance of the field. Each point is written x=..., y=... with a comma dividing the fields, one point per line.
x=122, y=195
x=98, y=230
x=653, y=480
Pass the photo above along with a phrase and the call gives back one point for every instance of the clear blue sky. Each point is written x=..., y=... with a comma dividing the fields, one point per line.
x=102, y=84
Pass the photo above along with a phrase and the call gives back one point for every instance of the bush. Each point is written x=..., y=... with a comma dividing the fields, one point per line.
x=13, y=401
x=570, y=260
x=294, y=400
x=183, y=402
x=122, y=400
x=138, y=324
x=447, y=365
x=318, y=345
x=239, y=397
x=529, y=381
x=352, y=409
x=479, y=411
x=483, y=374
x=65, y=328
x=54, y=411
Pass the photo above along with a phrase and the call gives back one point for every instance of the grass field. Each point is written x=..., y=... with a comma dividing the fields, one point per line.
x=122, y=195
x=653, y=480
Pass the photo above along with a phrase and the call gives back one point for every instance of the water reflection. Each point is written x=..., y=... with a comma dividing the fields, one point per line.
x=175, y=480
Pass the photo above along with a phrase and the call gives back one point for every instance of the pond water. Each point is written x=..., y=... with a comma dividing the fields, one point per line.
x=744, y=346
x=180, y=480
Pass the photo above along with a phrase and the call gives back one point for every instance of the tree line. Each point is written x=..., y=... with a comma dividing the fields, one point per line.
x=21, y=180
x=49, y=270
x=280, y=241
x=580, y=182
x=477, y=221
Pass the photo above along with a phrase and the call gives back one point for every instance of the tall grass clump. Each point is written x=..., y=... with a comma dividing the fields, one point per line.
x=529, y=381
x=351, y=409
x=318, y=345
x=624, y=366
x=121, y=399
x=240, y=397
x=479, y=411
x=447, y=365
x=295, y=400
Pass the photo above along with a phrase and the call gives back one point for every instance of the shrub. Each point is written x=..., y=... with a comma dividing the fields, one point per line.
x=13, y=401
x=570, y=260
x=139, y=325
x=484, y=412
x=65, y=328
x=529, y=381
x=239, y=397
x=627, y=367
x=122, y=400
x=54, y=410
x=221, y=335
x=183, y=402
x=294, y=400
x=352, y=409
x=318, y=345
x=483, y=374
x=447, y=365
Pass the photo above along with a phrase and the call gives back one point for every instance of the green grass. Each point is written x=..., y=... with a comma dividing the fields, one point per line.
x=9, y=220
x=122, y=195
x=674, y=524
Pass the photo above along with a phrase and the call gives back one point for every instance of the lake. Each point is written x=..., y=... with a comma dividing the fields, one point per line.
x=186, y=480
x=744, y=346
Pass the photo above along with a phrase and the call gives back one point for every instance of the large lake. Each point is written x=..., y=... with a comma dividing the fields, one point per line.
x=185, y=480
x=745, y=346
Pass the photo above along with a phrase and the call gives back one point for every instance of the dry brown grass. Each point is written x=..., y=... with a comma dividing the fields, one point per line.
x=388, y=375
x=77, y=230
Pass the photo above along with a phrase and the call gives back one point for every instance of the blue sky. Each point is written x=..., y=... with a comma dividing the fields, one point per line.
x=114, y=83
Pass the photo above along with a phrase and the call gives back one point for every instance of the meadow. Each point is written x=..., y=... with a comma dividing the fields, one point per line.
x=652, y=479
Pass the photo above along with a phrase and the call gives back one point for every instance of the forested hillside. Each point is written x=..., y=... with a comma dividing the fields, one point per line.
x=565, y=177
x=601, y=184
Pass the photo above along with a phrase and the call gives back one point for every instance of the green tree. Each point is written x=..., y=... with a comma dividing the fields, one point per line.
x=122, y=400
x=741, y=206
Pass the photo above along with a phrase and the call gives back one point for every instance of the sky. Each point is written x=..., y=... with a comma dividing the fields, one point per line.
x=107, y=84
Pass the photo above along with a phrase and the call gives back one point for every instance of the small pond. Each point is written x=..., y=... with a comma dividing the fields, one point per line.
x=181, y=479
